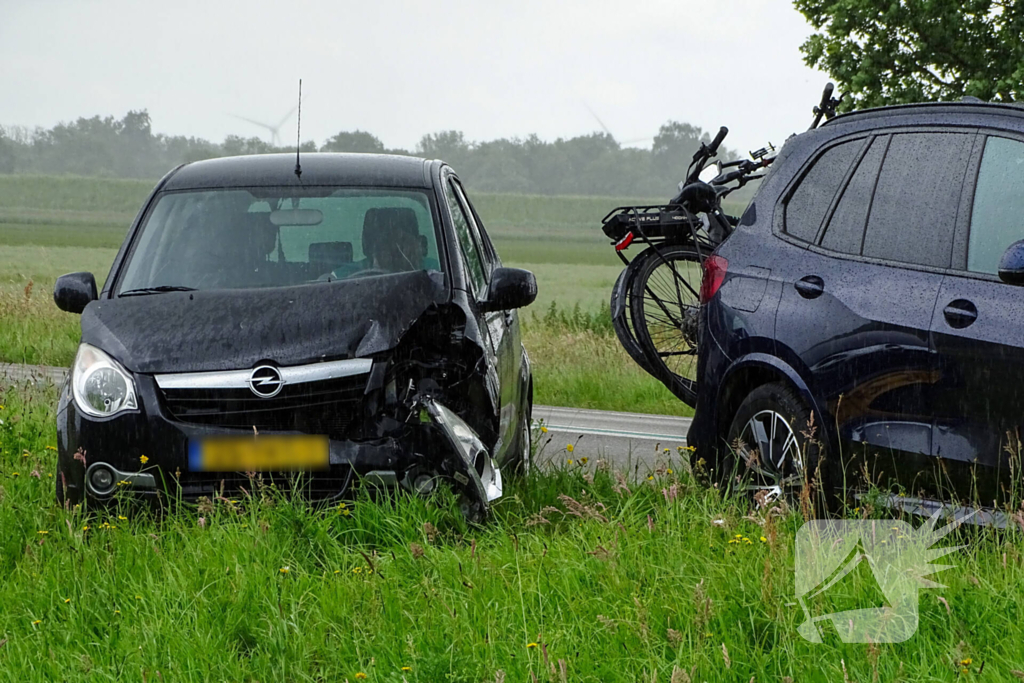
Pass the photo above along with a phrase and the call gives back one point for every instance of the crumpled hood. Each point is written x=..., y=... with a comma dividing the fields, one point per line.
x=235, y=329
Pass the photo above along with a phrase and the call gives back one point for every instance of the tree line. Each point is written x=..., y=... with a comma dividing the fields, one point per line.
x=594, y=164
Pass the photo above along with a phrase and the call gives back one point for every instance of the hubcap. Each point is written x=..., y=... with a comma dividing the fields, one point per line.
x=771, y=450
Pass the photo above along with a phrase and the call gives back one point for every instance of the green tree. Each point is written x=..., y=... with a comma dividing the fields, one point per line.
x=898, y=51
x=356, y=141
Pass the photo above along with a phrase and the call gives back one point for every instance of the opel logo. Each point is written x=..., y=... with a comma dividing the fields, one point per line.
x=266, y=381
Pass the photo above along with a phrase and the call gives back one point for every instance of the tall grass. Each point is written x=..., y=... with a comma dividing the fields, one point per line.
x=579, y=576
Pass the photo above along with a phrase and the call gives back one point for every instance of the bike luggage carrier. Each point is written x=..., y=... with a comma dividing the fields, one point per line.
x=668, y=222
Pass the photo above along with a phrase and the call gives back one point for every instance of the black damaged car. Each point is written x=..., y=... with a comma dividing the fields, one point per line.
x=317, y=325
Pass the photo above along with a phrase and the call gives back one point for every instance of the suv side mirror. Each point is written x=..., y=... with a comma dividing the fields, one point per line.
x=510, y=288
x=74, y=291
x=1011, y=265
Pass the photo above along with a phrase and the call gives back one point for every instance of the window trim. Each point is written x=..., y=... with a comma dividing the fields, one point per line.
x=778, y=222
x=448, y=185
x=798, y=178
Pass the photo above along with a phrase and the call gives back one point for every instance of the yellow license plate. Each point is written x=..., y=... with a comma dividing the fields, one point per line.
x=272, y=453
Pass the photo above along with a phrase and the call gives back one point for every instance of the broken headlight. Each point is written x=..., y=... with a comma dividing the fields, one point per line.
x=100, y=385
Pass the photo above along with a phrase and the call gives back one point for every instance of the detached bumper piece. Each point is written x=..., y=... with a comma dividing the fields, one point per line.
x=472, y=468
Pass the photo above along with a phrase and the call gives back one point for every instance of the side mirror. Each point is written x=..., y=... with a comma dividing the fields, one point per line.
x=74, y=291
x=1011, y=265
x=510, y=288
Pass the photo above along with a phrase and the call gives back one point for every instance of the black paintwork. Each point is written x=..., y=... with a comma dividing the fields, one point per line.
x=421, y=330
x=221, y=329
x=74, y=291
x=915, y=374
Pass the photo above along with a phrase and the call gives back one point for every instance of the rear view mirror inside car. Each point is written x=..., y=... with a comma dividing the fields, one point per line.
x=304, y=217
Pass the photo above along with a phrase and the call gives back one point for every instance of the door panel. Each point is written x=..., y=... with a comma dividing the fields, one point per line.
x=978, y=329
x=864, y=341
x=980, y=411
x=504, y=337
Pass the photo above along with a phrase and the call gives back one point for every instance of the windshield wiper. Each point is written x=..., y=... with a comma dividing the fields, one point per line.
x=156, y=290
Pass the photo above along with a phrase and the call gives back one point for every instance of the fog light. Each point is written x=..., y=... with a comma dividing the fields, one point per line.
x=102, y=479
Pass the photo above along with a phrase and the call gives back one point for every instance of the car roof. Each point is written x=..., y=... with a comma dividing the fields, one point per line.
x=966, y=109
x=264, y=170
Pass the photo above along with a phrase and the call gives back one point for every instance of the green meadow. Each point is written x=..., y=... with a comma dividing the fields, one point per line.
x=580, y=575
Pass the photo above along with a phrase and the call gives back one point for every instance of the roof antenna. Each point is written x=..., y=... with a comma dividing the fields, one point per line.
x=298, y=135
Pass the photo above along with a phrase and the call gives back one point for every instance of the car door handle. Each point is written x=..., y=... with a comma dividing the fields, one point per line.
x=810, y=287
x=960, y=313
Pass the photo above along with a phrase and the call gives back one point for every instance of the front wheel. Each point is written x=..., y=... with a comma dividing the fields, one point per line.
x=775, y=450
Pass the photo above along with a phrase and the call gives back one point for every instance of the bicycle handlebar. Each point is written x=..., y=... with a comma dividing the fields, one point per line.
x=713, y=148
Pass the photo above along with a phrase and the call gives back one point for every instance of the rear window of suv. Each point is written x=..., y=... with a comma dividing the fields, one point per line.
x=807, y=205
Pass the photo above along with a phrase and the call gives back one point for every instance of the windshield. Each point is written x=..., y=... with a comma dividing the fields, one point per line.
x=243, y=238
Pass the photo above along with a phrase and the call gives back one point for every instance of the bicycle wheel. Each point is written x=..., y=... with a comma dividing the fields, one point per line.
x=622, y=318
x=665, y=309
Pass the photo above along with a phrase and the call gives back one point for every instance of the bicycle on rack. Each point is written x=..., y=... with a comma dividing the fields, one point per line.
x=655, y=302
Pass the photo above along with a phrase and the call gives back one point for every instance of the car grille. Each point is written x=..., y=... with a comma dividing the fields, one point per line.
x=333, y=407
x=325, y=485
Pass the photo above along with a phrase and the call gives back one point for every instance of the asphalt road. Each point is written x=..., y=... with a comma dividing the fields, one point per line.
x=626, y=440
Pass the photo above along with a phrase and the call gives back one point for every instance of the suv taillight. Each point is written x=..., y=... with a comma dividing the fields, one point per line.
x=714, y=274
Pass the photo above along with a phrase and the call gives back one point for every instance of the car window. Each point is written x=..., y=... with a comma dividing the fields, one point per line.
x=808, y=203
x=997, y=220
x=913, y=212
x=479, y=233
x=241, y=238
x=845, y=230
x=467, y=245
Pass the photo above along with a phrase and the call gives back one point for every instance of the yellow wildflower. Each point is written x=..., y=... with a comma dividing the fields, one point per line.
x=50, y=448
x=138, y=597
x=650, y=477
x=584, y=460
x=406, y=668
x=966, y=662
x=569, y=461
x=122, y=518
x=117, y=611
x=570, y=448
x=143, y=459
x=669, y=471
x=67, y=601
x=764, y=540
x=357, y=570
x=667, y=451
x=37, y=622
x=543, y=430
x=86, y=527
x=42, y=532
x=337, y=571
x=531, y=645
x=284, y=570
x=360, y=676
x=15, y=474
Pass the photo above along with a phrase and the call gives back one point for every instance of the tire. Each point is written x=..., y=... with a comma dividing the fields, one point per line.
x=665, y=312
x=520, y=463
x=773, y=418
x=622, y=322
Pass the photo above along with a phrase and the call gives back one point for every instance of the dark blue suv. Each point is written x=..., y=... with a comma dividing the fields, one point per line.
x=862, y=326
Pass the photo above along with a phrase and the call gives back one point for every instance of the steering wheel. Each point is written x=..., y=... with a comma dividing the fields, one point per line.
x=367, y=272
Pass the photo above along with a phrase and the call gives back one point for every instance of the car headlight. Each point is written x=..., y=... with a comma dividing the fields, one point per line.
x=100, y=385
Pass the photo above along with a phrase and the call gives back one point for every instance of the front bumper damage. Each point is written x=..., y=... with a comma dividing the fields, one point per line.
x=433, y=445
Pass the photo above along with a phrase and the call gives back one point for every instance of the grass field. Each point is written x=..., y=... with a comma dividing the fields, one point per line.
x=55, y=225
x=576, y=578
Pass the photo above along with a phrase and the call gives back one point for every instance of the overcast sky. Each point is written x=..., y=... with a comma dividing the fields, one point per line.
x=401, y=68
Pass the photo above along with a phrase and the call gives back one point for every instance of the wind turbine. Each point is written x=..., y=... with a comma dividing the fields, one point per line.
x=609, y=133
x=275, y=131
